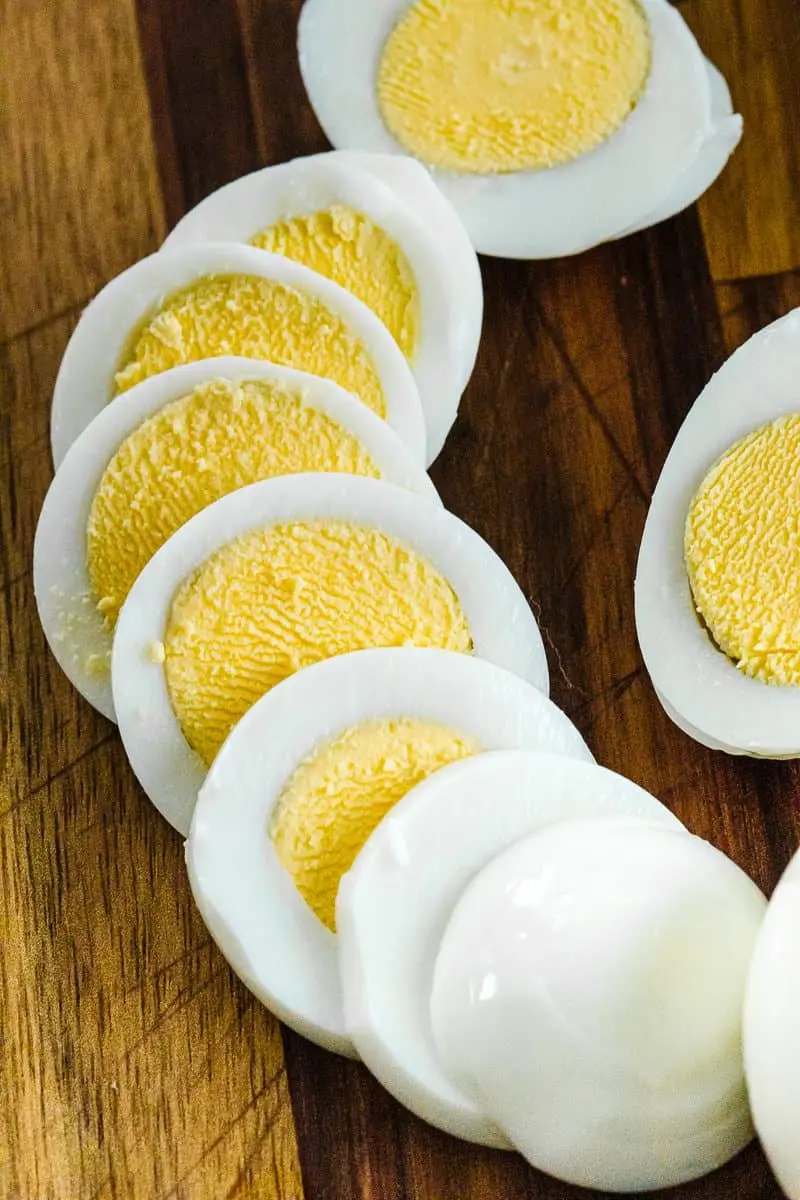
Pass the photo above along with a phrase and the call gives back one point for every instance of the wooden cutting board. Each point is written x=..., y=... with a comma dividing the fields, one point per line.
x=133, y=1062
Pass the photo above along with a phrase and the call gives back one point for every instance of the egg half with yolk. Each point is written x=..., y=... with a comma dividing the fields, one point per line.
x=394, y=904
x=305, y=777
x=717, y=597
x=163, y=451
x=280, y=575
x=550, y=126
x=384, y=232
x=179, y=306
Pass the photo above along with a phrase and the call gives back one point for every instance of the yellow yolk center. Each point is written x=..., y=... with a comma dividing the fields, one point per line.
x=488, y=86
x=220, y=437
x=354, y=252
x=336, y=798
x=256, y=318
x=742, y=548
x=285, y=597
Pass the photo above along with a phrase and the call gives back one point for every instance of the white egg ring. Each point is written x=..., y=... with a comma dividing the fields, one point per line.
x=477, y=809
x=771, y=1033
x=503, y=628
x=75, y=631
x=256, y=915
x=431, y=236
x=85, y=381
x=527, y=214
x=715, y=702
x=720, y=143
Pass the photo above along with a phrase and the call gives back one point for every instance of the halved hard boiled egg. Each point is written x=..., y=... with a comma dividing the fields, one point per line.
x=772, y=1033
x=718, y=578
x=549, y=126
x=204, y=301
x=280, y=575
x=162, y=452
x=302, y=781
x=395, y=903
x=401, y=250
x=587, y=995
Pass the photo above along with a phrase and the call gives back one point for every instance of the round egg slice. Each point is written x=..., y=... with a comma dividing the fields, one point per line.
x=771, y=1033
x=587, y=994
x=162, y=452
x=204, y=301
x=395, y=902
x=278, y=576
x=550, y=128
x=409, y=260
x=306, y=775
x=716, y=583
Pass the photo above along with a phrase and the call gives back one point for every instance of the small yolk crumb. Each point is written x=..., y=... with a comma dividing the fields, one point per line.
x=354, y=252
x=282, y=598
x=220, y=437
x=255, y=318
x=742, y=549
x=335, y=799
x=488, y=86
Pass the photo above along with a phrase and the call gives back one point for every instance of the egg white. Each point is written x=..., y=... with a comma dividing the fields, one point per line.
x=587, y=994
x=395, y=902
x=503, y=628
x=526, y=214
x=772, y=1032
x=270, y=936
x=698, y=685
x=60, y=574
x=85, y=381
x=427, y=230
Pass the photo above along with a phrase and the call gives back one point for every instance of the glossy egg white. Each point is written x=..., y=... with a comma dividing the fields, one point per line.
x=588, y=993
x=419, y=221
x=273, y=940
x=699, y=687
x=772, y=1032
x=85, y=381
x=503, y=628
x=76, y=632
x=395, y=903
x=527, y=214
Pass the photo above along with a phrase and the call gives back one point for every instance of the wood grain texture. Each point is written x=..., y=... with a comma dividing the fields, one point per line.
x=133, y=1063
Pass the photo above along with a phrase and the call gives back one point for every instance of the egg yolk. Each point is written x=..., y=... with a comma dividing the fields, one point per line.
x=336, y=798
x=488, y=86
x=354, y=252
x=255, y=318
x=220, y=437
x=282, y=598
x=742, y=549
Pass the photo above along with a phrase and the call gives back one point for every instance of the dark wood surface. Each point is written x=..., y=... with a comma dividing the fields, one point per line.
x=133, y=1063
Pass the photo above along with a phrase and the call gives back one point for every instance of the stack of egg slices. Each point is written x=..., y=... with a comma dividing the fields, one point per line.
x=336, y=689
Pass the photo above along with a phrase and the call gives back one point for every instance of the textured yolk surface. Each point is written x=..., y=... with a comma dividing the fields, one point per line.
x=257, y=318
x=354, y=252
x=281, y=598
x=217, y=439
x=742, y=546
x=511, y=85
x=335, y=798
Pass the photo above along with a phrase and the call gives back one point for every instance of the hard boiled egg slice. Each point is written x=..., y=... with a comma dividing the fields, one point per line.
x=410, y=261
x=717, y=579
x=587, y=995
x=772, y=1033
x=302, y=780
x=198, y=302
x=394, y=904
x=159, y=454
x=283, y=574
x=550, y=127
